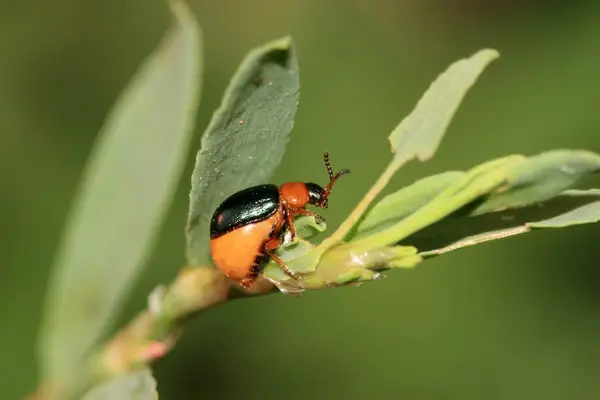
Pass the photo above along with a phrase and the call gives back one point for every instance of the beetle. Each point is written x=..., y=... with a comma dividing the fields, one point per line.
x=249, y=225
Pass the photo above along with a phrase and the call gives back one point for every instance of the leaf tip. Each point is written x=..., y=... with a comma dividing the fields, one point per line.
x=284, y=42
x=488, y=55
x=281, y=51
x=179, y=8
x=182, y=13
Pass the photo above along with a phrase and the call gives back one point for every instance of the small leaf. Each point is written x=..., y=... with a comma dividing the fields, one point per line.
x=516, y=182
x=246, y=138
x=341, y=265
x=478, y=182
x=541, y=177
x=126, y=190
x=288, y=253
x=585, y=214
x=137, y=385
x=572, y=207
x=397, y=206
x=307, y=227
x=420, y=134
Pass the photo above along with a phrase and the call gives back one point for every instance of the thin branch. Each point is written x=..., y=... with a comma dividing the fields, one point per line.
x=154, y=331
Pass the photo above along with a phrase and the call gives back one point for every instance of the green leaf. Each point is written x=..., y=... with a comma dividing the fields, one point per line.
x=429, y=206
x=341, y=265
x=307, y=227
x=572, y=207
x=397, y=206
x=420, y=134
x=246, y=138
x=137, y=385
x=126, y=190
x=478, y=182
x=540, y=178
x=437, y=219
x=584, y=214
x=524, y=181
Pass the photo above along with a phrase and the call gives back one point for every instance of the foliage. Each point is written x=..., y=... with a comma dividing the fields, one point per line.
x=130, y=180
x=123, y=198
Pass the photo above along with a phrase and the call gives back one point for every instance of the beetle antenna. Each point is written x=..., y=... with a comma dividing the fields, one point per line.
x=332, y=178
x=328, y=165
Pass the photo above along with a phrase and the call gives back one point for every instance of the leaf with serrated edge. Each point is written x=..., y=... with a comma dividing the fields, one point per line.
x=246, y=138
x=136, y=385
x=126, y=190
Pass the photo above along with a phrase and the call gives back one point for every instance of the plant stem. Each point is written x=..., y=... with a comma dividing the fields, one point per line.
x=151, y=334
x=477, y=239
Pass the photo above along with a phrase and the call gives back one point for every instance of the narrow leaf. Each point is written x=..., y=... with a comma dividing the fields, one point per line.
x=515, y=181
x=572, y=207
x=479, y=181
x=541, y=177
x=419, y=134
x=584, y=214
x=126, y=189
x=246, y=138
x=397, y=206
x=137, y=385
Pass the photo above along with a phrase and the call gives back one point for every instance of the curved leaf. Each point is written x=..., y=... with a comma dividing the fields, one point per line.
x=307, y=227
x=511, y=182
x=397, y=206
x=339, y=266
x=246, y=138
x=579, y=214
x=479, y=181
x=572, y=207
x=541, y=177
x=124, y=195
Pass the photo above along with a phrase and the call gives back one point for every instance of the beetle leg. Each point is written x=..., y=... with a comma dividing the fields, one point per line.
x=248, y=281
x=304, y=211
x=289, y=216
x=271, y=245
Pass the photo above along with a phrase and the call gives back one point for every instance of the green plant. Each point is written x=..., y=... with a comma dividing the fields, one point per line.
x=112, y=227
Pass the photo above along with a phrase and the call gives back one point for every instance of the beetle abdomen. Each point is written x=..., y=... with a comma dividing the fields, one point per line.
x=243, y=208
x=239, y=254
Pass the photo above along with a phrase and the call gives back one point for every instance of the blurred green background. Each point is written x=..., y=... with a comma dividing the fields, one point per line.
x=514, y=319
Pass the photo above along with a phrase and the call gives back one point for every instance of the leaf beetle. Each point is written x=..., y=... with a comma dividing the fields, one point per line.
x=249, y=225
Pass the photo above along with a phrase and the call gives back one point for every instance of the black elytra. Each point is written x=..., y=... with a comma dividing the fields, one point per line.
x=245, y=207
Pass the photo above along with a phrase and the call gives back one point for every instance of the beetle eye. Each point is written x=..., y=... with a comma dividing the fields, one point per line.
x=316, y=195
